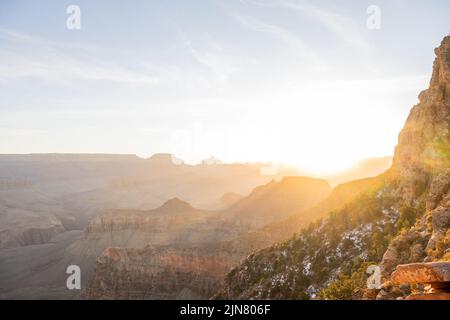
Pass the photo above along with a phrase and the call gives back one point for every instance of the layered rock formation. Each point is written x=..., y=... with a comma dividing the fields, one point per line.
x=39, y=193
x=24, y=228
x=191, y=250
x=158, y=273
x=188, y=232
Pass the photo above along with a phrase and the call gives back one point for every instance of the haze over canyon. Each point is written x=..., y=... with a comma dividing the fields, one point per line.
x=315, y=184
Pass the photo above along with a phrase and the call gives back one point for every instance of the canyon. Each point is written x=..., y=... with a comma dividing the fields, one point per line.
x=43, y=195
x=158, y=229
x=399, y=218
x=204, y=246
x=174, y=242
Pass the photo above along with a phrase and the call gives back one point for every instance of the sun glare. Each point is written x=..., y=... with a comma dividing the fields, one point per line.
x=314, y=128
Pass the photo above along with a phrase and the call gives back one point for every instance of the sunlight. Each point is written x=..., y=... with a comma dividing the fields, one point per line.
x=313, y=127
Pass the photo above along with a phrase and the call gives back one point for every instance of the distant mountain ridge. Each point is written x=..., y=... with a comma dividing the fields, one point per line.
x=42, y=195
x=276, y=201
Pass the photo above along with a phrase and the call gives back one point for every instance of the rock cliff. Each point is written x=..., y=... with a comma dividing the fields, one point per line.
x=190, y=250
x=158, y=273
x=401, y=217
x=430, y=280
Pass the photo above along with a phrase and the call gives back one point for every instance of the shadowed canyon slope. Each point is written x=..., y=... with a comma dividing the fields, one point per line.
x=401, y=217
x=176, y=231
x=203, y=246
x=278, y=200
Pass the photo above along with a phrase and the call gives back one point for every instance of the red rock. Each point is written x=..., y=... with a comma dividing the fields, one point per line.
x=431, y=296
x=421, y=273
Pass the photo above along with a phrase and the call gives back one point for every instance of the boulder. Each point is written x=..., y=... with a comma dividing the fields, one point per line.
x=421, y=273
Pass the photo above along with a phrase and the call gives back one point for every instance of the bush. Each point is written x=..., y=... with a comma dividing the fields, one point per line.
x=347, y=287
x=408, y=216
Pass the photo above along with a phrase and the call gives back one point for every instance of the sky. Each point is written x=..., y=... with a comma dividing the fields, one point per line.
x=307, y=83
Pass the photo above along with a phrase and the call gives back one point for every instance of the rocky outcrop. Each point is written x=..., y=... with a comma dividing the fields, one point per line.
x=28, y=237
x=158, y=273
x=423, y=144
x=421, y=165
x=31, y=230
x=432, y=280
x=438, y=246
x=426, y=273
x=171, y=223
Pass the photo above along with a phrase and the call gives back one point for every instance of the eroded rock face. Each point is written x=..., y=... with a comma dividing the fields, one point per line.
x=439, y=189
x=423, y=144
x=158, y=273
x=421, y=273
x=439, y=244
x=172, y=223
x=432, y=280
x=191, y=250
x=421, y=165
x=421, y=162
x=36, y=230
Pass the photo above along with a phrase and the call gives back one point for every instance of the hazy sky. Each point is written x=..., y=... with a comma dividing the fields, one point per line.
x=303, y=82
